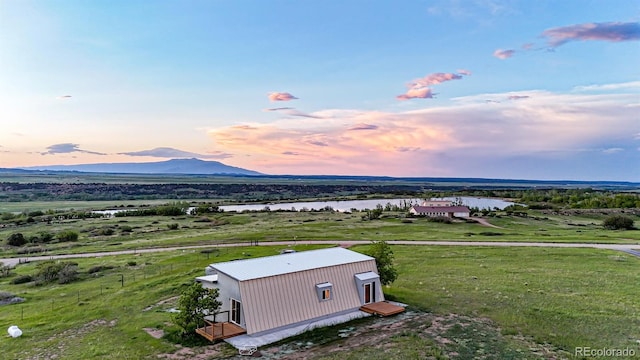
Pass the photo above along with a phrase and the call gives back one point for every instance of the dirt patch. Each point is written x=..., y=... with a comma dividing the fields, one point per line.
x=156, y=333
x=67, y=339
x=451, y=336
x=484, y=222
x=200, y=353
x=160, y=303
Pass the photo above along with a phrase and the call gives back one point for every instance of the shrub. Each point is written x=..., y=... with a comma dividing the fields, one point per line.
x=67, y=235
x=618, y=222
x=22, y=279
x=132, y=263
x=16, y=239
x=67, y=274
x=98, y=268
x=7, y=216
x=5, y=271
x=173, y=226
x=64, y=272
x=45, y=237
x=30, y=250
x=440, y=219
x=106, y=231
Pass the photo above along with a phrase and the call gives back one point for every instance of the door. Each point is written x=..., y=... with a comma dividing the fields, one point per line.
x=369, y=293
x=235, y=311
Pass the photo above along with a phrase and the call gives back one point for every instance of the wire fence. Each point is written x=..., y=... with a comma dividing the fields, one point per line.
x=97, y=283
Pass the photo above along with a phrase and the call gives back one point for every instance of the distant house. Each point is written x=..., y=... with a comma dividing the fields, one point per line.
x=440, y=211
x=260, y=296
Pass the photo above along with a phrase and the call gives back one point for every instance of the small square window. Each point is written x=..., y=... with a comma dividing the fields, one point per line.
x=324, y=291
x=326, y=294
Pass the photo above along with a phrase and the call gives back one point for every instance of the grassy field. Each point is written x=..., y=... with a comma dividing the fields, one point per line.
x=564, y=297
x=513, y=301
x=104, y=234
x=99, y=316
x=28, y=206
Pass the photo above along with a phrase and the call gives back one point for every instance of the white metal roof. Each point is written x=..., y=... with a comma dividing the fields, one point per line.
x=208, y=278
x=288, y=263
x=367, y=276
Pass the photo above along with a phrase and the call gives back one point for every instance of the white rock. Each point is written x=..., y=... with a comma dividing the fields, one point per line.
x=14, y=331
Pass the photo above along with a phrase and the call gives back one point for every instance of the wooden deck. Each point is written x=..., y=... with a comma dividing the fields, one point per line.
x=219, y=330
x=382, y=308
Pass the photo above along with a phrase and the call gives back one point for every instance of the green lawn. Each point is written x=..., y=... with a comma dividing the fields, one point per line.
x=153, y=231
x=99, y=317
x=556, y=298
x=564, y=297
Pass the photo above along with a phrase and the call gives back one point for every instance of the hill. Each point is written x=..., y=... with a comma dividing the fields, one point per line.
x=174, y=166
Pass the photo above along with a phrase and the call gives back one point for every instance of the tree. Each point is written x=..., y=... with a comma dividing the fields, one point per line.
x=195, y=303
x=618, y=222
x=383, y=254
x=16, y=239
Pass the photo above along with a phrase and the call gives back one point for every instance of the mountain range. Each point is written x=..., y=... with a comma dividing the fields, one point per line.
x=174, y=166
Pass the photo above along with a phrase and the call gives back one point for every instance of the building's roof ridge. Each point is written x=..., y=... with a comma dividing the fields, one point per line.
x=249, y=269
x=420, y=207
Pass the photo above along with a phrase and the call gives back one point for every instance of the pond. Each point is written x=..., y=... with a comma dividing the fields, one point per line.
x=346, y=205
x=349, y=205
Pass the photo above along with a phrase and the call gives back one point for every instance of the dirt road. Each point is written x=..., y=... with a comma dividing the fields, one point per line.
x=621, y=247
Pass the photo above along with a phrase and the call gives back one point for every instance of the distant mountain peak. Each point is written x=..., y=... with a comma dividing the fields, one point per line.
x=192, y=166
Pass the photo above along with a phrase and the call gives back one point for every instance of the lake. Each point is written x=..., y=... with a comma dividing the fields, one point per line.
x=348, y=205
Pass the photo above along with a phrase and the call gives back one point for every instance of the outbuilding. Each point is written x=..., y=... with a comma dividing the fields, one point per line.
x=294, y=290
x=440, y=211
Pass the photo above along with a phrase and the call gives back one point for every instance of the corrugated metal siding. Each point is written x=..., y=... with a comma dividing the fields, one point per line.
x=290, y=298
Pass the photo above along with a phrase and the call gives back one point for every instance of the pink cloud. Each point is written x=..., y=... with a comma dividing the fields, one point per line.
x=609, y=31
x=281, y=96
x=518, y=97
x=420, y=88
x=363, y=126
x=279, y=109
x=244, y=127
x=503, y=54
x=317, y=143
x=464, y=72
x=434, y=79
x=294, y=112
x=422, y=93
x=432, y=141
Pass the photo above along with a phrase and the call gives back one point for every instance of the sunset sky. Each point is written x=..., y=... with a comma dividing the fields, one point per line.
x=468, y=88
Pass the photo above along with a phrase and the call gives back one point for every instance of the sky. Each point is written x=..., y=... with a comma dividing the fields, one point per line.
x=546, y=90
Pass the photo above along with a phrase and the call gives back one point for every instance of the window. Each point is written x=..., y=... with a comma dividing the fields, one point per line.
x=235, y=311
x=326, y=294
x=324, y=291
